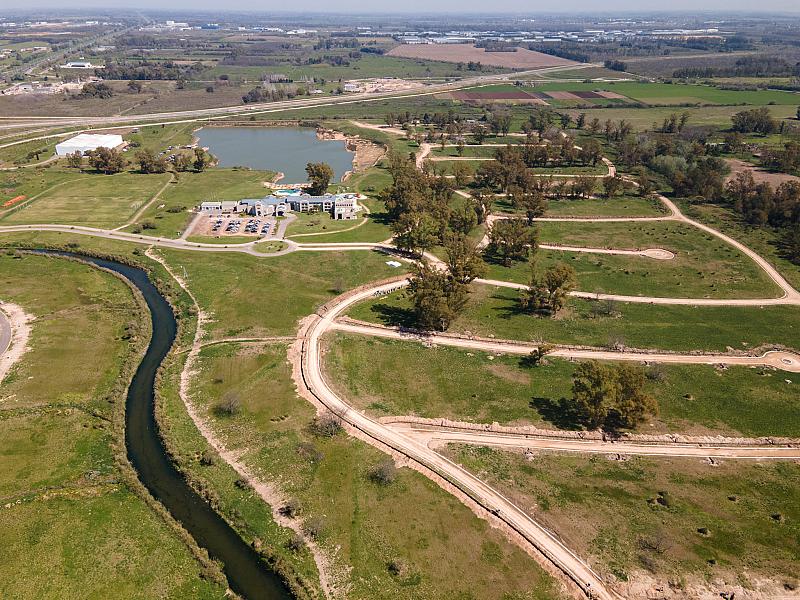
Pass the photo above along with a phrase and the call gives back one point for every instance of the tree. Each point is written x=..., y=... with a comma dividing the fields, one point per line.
x=791, y=243
x=479, y=133
x=594, y=392
x=106, y=160
x=464, y=262
x=461, y=174
x=75, y=160
x=149, y=162
x=590, y=152
x=611, y=397
x=416, y=232
x=534, y=202
x=482, y=202
x=183, y=162
x=548, y=292
x=755, y=120
x=583, y=186
x=201, y=160
x=580, y=121
x=612, y=185
x=135, y=86
x=463, y=218
x=633, y=403
x=510, y=240
x=319, y=176
x=436, y=296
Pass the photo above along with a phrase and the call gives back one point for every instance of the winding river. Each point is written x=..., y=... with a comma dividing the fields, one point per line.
x=248, y=575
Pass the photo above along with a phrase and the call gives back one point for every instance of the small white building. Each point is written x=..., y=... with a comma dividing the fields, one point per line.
x=88, y=141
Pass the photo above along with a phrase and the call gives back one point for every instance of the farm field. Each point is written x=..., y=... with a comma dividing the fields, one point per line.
x=669, y=518
x=483, y=388
x=61, y=477
x=462, y=53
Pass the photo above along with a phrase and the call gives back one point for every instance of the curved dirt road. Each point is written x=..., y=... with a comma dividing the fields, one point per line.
x=312, y=380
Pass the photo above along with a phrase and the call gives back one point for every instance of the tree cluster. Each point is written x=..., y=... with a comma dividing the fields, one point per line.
x=754, y=120
x=106, y=160
x=319, y=176
x=548, y=291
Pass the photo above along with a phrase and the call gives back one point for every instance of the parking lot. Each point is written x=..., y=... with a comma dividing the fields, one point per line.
x=235, y=225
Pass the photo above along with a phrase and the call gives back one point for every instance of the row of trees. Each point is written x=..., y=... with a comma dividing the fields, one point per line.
x=109, y=161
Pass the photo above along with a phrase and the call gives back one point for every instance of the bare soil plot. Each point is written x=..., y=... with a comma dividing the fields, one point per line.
x=515, y=97
x=759, y=174
x=521, y=59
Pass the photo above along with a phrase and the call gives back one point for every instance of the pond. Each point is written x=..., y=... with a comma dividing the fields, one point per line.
x=282, y=149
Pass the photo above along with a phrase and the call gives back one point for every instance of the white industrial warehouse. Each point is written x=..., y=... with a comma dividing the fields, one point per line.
x=88, y=141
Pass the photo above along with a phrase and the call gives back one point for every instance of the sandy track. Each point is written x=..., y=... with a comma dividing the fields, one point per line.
x=437, y=437
x=313, y=382
x=15, y=332
x=786, y=361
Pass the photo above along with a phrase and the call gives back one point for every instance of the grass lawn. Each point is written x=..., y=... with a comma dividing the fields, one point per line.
x=253, y=296
x=222, y=239
x=681, y=519
x=318, y=223
x=764, y=240
x=171, y=215
x=704, y=266
x=495, y=311
x=478, y=387
x=446, y=551
x=621, y=206
x=92, y=199
x=71, y=526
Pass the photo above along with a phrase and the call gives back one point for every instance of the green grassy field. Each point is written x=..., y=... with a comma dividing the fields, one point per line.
x=319, y=223
x=478, y=387
x=704, y=266
x=445, y=550
x=253, y=296
x=71, y=526
x=621, y=206
x=735, y=523
x=762, y=239
x=95, y=200
x=494, y=311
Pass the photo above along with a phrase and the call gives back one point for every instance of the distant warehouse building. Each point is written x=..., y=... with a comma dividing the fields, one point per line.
x=86, y=142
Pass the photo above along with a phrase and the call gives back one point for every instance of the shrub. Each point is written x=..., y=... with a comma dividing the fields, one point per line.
x=384, y=473
x=230, y=404
x=326, y=425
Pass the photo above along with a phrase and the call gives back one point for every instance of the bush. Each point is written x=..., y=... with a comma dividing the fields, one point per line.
x=384, y=473
x=148, y=225
x=291, y=509
x=296, y=543
x=230, y=404
x=326, y=425
x=310, y=452
x=313, y=527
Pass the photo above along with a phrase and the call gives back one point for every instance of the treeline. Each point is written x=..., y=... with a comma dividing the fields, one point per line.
x=150, y=71
x=760, y=204
x=274, y=94
x=747, y=66
x=561, y=52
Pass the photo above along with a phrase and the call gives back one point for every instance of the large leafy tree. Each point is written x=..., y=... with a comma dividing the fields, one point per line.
x=319, y=176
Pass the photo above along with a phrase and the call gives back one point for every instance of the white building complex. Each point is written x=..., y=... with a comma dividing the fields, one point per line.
x=338, y=206
x=88, y=141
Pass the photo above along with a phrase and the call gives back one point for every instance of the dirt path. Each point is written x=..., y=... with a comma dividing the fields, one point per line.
x=786, y=361
x=496, y=506
x=148, y=204
x=268, y=492
x=15, y=332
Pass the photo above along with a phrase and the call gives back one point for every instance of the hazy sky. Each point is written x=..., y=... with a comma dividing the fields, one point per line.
x=687, y=7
